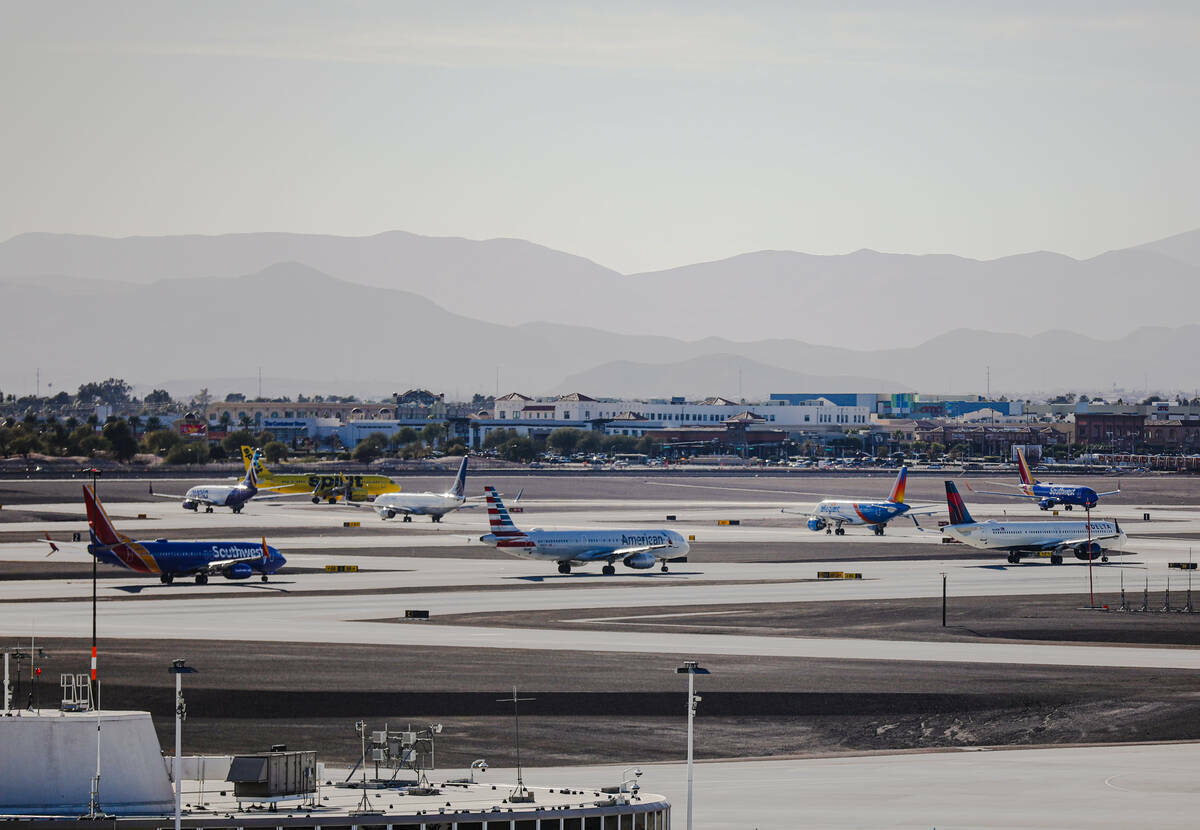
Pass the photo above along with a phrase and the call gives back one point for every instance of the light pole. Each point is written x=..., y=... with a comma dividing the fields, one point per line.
x=179, y=669
x=95, y=473
x=691, y=668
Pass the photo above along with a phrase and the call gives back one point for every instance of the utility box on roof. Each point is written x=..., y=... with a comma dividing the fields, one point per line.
x=273, y=774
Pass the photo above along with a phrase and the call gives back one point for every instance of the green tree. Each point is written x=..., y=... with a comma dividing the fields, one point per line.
x=370, y=448
x=160, y=441
x=455, y=448
x=275, y=451
x=499, y=437
x=159, y=397
x=433, y=432
x=113, y=392
x=24, y=444
x=564, y=440
x=120, y=437
x=234, y=441
x=619, y=443
x=188, y=452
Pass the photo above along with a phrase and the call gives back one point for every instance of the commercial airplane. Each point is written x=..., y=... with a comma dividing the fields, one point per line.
x=1086, y=540
x=433, y=505
x=233, y=496
x=329, y=487
x=1046, y=493
x=638, y=549
x=830, y=514
x=232, y=560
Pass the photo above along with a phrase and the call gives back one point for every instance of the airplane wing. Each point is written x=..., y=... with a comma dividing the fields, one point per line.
x=1110, y=493
x=1083, y=540
x=997, y=493
x=182, y=498
x=924, y=511
x=604, y=553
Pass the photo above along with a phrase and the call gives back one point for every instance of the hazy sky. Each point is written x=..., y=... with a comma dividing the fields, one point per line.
x=640, y=135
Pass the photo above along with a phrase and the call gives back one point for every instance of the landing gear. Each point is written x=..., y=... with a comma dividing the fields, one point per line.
x=1104, y=558
x=436, y=518
x=237, y=508
x=166, y=579
x=208, y=509
x=878, y=530
x=564, y=567
x=201, y=579
x=332, y=499
x=1014, y=559
x=828, y=531
x=1069, y=506
x=665, y=569
x=407, y=518
x=841, y=531
x=264, y=578
x=1055, y=559
x=608, y=570
x=316, y=499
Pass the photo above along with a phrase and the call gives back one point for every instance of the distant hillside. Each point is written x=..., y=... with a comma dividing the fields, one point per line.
x=296, y=322
x=863, y=300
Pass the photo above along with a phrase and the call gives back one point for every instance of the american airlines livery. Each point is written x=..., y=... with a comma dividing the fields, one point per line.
x=1047, y=493
x=638, y=549
x=1085, y=540
x=167, y=560
x=830, y=514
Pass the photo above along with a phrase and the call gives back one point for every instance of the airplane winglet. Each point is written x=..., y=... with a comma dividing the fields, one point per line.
x=53, y=547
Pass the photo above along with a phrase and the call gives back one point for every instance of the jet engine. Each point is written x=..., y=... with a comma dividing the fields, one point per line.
x=641, y=561
x=1046, y=504
x=816, y=523
x=239, y=570
x=190, y=505
x=1089, y=550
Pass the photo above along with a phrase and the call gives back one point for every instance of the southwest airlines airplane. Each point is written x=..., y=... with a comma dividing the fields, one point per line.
x=830, y=514
x=1084, y=540
x=167, y=560
x=638, y=549
x=1048, y=494
x=433, y=505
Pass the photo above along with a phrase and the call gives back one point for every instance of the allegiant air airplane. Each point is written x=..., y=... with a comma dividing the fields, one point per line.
x=1085, y=540
x=327, y=486
x=167, y=560
x=830, y=514
x=1047, y=493
x=638, y=549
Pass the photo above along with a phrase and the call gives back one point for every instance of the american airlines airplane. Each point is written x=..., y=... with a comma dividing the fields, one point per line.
x=830, y=514
x=1086, y=540
x=638, y=549
x=433, y=505
x=1046, y=493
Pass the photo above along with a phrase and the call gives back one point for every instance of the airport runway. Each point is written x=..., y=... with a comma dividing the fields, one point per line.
x=497, y=603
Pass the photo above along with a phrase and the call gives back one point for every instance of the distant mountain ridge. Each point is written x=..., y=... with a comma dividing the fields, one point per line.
x=862, y=300
x=296, y=322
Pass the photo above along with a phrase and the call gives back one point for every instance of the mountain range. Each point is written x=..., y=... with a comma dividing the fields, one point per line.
x=864, y=300
x=296, y=322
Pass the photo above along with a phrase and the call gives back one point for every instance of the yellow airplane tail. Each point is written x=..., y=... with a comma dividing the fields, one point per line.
x=264, y=475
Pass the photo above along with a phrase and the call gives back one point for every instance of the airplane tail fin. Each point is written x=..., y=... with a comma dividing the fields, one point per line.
x=897, y=494
x=959, y=515
x=501, y=523
x=259, y=468
x=1026, y=475
x=459, y=488
x=252, y=470
x=102, y=529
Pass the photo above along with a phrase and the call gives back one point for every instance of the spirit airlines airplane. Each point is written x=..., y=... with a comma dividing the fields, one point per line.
x=167, y=560
x=1086, y=540
x=638, y=549
x=233, y=496
x=838, y=512
x=433, y=505
x=328, y=487
x=1048, y=494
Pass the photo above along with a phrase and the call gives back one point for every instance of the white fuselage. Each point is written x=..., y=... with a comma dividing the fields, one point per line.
x=420, y=504
x=215, y=494
x=1034, y=535
x=593, y=545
